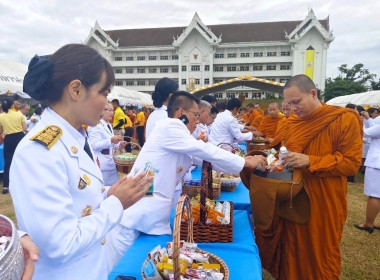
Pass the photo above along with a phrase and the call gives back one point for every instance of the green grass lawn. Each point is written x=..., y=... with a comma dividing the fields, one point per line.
x=360, y=250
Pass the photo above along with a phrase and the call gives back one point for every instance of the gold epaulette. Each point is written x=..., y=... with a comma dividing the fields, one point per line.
x=48, y=136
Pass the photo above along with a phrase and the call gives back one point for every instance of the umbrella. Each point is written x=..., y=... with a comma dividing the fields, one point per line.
x=369, y=98
x=11, y=78
x=129, y=96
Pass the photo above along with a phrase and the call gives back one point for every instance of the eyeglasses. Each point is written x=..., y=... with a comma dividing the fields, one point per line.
x=196, y=114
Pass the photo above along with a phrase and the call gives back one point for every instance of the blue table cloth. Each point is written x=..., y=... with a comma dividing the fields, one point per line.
x=1, y=158
x=241, y=256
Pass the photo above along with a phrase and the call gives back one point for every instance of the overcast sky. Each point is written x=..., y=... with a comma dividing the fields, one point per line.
x=30, y=26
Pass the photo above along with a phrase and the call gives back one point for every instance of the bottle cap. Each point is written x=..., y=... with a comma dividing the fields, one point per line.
x=283, y=149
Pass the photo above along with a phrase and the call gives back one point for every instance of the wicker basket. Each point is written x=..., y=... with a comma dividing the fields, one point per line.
x=192, y=190
x=136, y=148
x=229, y=185
x=209, y=233
x=184, y=200
x=256, y=145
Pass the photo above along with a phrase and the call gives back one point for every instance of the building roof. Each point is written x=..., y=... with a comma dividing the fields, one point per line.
x=231, y=33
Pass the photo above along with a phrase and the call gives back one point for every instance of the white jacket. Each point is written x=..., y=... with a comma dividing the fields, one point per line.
x=51, y=189
x=172, y=149
x=373, y=155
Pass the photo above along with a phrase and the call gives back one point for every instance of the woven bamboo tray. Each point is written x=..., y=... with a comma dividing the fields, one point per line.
x=229, y=185
x=177, y=228
x=209, y=233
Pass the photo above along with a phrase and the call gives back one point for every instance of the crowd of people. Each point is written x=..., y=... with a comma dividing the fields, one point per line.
x=83, y=217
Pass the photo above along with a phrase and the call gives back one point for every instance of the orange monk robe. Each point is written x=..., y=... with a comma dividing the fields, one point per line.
x=252, y=117
x=332, y=138
x=280, y=133
x=257, y=121
x=268, y=125
x=261, y=112
x=246, y=116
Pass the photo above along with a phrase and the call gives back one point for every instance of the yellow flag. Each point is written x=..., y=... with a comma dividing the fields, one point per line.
x=309, y=62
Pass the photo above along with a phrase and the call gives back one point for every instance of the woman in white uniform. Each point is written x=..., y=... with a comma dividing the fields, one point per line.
x=103, y=140
x=372, y=175
x=57, y=189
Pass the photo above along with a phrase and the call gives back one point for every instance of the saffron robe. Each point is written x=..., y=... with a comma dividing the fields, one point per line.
x=268, y=125
x=332, y=138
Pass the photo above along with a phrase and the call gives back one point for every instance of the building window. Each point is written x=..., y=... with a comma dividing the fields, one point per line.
x=152, y=82
x=141, y=82
x=231, y=55
x=271, y=79
x=129, y=82
x=164, y=57
x=218, y=81
x=271, y=67
x=244, y=68
x=284, y=67
x=183, y=81
x=140, y=70
x=175, y=69
x=230, y=95
x=246, y=94
x=207, y=81
x=118, y=83
x=175, y=56
x=219, y=55
x=129, y=70
x=218, y=95
x=164, y=70
x=258, y=54
x=129, y=58
x=141, y=58
x=257, y=67
x=184, y=68
x=285, y=53
x=218, y=68
x=271, y=54
x=195, y=68
x=152, y=70
x=197, y=81
x=283, y=80
x=118, y=58
x=118, y=70
x=207, y=67
x=152, y=57
x=231, y=68
x=244, y=55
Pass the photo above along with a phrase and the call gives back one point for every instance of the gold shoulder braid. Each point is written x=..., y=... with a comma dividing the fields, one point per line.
x=48, y=136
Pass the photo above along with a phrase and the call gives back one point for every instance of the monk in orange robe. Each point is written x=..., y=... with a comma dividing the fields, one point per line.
x=257, y=121
x=326, y=144
x=268, y=124
x=258, y=109
x=281, y=126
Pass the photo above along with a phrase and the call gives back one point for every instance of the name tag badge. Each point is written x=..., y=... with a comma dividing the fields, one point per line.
x=82, y=184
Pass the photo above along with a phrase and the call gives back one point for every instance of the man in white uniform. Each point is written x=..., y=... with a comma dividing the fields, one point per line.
x=226, y=128
x=172, y=149
x=102, y=140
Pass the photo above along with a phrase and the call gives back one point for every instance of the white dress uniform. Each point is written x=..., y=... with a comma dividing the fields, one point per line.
x=200, y=128
x=172, y=149
x=372, y=162
x=367, y=141
x=158, y=114
x=59, y=200
x=226, y=128
x=100, y=140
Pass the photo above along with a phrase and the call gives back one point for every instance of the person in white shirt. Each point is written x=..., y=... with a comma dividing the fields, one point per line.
x=172, y=150
x=226, y=127
x=35, y=118
x=102, y=140
x=164, y=88
x=201, y=132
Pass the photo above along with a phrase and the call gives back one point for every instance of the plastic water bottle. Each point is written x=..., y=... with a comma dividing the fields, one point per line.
x=283, y=152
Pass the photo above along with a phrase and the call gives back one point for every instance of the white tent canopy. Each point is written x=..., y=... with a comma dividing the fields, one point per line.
x=129, y=96
x=11, y=78
x=370, y=98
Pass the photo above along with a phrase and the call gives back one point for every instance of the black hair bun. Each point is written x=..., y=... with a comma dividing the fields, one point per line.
x=39, y=73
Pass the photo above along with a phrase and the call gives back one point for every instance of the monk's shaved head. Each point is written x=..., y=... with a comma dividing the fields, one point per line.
x=275, y=104
x=302, y=82
x=274, y=109
x=286, y=109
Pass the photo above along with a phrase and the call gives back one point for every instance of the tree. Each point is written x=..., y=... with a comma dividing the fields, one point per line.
x=350, y=80
x=375, y=85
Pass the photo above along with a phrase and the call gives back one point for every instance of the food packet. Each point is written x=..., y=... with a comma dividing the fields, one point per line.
x=213, y=266
x=214, y=217
x=150, y=271
x=162, y=253
x=211, y=275
x=151, y=170
x=200, y=258
x=170, y=248
x=194, y=273
x=153, y=255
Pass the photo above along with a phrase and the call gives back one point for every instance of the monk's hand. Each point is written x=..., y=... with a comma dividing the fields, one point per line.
x=270, y=140
x=31, y=253
x=250, y=128
x=130, y=189
x=296, y=160
x=252, y=162
x=257, y=133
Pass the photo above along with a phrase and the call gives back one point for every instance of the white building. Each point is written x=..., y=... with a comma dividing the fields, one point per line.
x=205, y=55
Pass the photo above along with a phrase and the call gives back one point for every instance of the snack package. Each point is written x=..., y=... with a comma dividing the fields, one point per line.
x=162, y=253
x=153, y=255
x=150, y=170
x=150, y=271
x=214, y=217
x=213, y=266
x=170, y=248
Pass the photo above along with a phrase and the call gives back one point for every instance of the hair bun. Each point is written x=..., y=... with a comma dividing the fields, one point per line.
x=39, y=73
x=157, y=100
